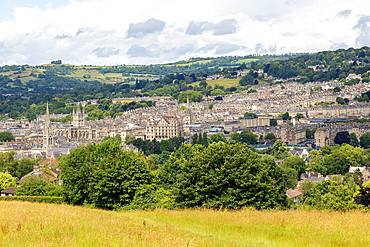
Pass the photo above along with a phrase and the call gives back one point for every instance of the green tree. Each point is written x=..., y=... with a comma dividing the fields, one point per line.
x=224, y=175
x=6, y=180
x=217, y=138
x=340, y=101
x=296, y=163
x=129, y=139
x=342, y=137
x=289, y=177
x=103, y=175
x=306, y=187
x=365, y=140
x=194, y=96
x=337, y=89
x=330, y=195
x=285, y=116
x=203, y=84
x=195, y=139
x=270, y=136
x=217, y=92
x=39, y=186
x=6, y=136
x=362, y=195
x=299, y=115
x=273, y=122
x=250, y=114
x=353, y=140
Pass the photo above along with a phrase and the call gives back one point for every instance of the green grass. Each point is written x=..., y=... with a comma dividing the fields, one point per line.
x=247, y=60
x=34, y=224
x=223, y=82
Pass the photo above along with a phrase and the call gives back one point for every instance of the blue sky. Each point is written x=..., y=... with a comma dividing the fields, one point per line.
x=111, y=32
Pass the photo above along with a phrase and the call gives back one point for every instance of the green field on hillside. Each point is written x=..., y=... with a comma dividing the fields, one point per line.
x=247, y=60
x=34, y=224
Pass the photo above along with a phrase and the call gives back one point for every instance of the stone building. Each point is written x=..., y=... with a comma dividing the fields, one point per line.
x=323, y=137
x=78, y=129
x=293, y=135
x=255, y=122
x=187, y=119
x=163, y=129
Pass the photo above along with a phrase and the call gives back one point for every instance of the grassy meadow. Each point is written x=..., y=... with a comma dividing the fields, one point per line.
x=34, y=224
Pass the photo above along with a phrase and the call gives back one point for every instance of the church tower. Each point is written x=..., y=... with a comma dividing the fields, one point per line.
x=78, y=117
x=187, y=120
x=48, y=138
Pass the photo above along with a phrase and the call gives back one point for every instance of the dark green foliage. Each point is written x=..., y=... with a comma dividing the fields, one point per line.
x=310, y=133
x=299, y=115
x=289, y=177
x=16, y=168
x=340, y=101
x=39, y=199
x=273, y=122
x=244, y=137
x=270, y=136
x=194, y=96
x=103, y=175
x=39, y=186
x=223, y=175
x=342, y=137
x=156, y=147
x=6, y=136
x=363, y=196
x=296, y=163
x=285, y=116
x=250, y=114
x=248, y=79
x=337, y=89
x=365, y=140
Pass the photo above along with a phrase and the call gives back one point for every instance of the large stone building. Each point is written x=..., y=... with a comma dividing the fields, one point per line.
x=78, y=129
x=255, y=122
x=293, y=135
x=163, y=129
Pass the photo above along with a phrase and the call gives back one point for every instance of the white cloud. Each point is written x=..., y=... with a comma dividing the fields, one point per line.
x=144, y=32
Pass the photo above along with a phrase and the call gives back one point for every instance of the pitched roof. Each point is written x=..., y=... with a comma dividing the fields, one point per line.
x=10, y=190
x=294, y=193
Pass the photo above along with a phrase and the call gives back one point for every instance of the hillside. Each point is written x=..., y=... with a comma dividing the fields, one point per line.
x=26, y=89
x=27, y=224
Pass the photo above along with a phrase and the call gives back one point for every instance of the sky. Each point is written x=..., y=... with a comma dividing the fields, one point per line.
x=115, y=32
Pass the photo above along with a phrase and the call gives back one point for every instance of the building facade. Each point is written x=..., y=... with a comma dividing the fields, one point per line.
x=163, y=129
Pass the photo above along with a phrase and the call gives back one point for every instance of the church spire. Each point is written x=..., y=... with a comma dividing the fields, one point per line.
x=47, y=117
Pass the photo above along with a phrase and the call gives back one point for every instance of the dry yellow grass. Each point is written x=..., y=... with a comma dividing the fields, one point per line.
x=32, y=224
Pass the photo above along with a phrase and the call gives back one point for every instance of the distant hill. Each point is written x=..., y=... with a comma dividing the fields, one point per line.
x=24, y=89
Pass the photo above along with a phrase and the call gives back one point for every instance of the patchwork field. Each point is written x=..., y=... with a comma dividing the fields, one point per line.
x=33, y=224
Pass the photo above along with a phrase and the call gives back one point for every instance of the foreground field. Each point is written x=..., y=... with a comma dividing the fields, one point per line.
x=32, y=224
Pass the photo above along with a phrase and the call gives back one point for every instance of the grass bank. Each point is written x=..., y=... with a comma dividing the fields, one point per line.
x=34, y=224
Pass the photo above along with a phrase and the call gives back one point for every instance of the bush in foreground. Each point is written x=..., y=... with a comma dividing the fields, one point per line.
x=223, y=175
x=104, y=175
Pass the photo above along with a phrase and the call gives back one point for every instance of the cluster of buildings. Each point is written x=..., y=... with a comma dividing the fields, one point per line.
x=168, y=119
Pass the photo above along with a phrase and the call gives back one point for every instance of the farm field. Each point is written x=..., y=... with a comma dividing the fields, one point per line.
x=33, y=224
